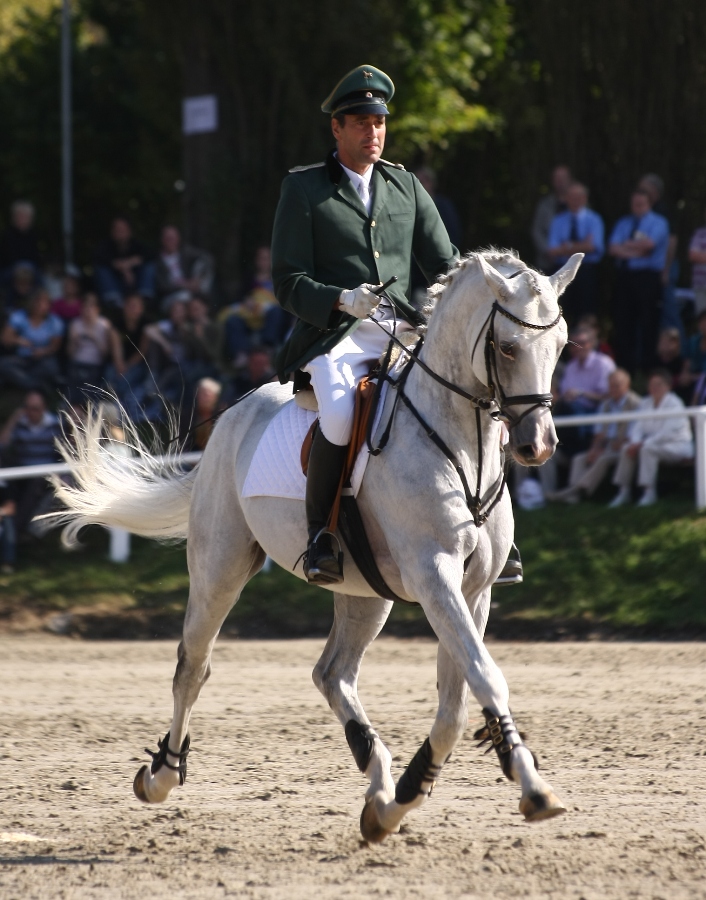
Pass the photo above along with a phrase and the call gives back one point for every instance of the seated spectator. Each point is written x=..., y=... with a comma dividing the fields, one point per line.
x=21, y=284
x=669, y=357
x=28, y=439
x=204, y=333
x=697, y=258
x=590, y=468
x=578, y=230
x=8, y=536
x=128, y=375
x=652, y=441
x=638, y=245
x=583, y=386
x=175, y=359
x=696, y=353
x=19, y=244
x=591, y=323
x=182, y=268
x=206, y=408
x=123, y=266
x=258, y=371
x=33, y=337
x=91, y=343
x=68, y=305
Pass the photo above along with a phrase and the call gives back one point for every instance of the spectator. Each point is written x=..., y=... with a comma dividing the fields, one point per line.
x=638, y=245
x=92, y=342
x=123, y=266
x=546, y=209
x=207, y=396
x=258, y=371
x=578, y=230
x=696, y=352
x=653, y=186
x=652, y=441
x=447, y=210
x=670, y=357
x=19, y=244
x=583, y=386
x=590, y=468
x=33, y=337
x=68, y=305
x=28, y=439
x=591, y=323
x=204, y=333
x=697, y=258
x=182, y=268
x=8, y=537
x=128, y=375
x=21, y=285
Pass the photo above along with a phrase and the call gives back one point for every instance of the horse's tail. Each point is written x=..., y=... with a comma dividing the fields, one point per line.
x=118, y=483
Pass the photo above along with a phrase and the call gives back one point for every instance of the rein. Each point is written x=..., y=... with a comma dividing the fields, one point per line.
x=479, y=508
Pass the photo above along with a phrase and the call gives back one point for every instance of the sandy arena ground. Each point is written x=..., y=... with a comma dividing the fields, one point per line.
x=271, y=805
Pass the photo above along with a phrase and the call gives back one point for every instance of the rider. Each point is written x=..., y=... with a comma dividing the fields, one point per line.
x=343, y=228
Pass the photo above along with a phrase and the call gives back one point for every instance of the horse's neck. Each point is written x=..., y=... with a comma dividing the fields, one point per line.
x=450, y=415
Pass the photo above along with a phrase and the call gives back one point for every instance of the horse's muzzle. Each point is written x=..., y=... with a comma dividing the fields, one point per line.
x=533, y=441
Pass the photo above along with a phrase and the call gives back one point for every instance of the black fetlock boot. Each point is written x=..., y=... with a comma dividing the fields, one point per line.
x=323, y=563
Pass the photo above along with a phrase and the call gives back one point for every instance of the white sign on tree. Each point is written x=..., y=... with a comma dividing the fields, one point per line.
x=200, y=114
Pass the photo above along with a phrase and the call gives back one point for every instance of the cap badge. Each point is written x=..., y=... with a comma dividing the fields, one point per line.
x=368, y=94
x=367, y=74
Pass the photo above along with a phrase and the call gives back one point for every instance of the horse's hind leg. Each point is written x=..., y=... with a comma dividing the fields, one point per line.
x=219, y=567
x=357, y=622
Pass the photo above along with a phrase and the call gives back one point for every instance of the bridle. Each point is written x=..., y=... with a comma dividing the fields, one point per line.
x=496, y=405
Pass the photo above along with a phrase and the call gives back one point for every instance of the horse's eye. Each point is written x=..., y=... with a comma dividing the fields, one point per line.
x=507, y=349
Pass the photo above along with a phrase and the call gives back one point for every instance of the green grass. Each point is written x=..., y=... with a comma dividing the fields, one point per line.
x=633, y=569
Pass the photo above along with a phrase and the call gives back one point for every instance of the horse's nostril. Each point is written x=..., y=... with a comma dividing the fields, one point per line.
x=526, y=451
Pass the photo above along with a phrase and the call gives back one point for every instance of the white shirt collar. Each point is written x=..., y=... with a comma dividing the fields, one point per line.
x=357, y=180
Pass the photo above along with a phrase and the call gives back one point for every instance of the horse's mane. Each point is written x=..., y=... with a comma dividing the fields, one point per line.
x=496, y=256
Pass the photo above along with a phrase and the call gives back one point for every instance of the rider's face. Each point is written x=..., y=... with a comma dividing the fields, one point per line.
x=361, y=140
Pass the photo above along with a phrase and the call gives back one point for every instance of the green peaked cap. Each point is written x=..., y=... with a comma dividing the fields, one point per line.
x=363, y=90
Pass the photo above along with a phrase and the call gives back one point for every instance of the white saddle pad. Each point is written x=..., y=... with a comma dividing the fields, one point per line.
x=276, y=471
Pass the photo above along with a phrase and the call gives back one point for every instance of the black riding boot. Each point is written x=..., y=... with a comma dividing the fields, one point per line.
x=323, y=563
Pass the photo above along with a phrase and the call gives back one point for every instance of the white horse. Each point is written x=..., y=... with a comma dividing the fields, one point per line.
x=494, y=333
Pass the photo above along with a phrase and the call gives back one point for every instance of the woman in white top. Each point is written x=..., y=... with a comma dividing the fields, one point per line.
x=652, y=441
x=91, y=343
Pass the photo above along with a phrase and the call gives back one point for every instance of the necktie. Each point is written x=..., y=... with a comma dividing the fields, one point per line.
x=364, y=192
x=635, y=226
x=574, y=233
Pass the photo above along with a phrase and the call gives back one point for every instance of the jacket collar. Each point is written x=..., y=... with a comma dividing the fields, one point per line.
x=345, y=188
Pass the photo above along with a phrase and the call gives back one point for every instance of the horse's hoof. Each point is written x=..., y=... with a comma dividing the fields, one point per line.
x=138, y=785
x=370, y=826
x=537, y=807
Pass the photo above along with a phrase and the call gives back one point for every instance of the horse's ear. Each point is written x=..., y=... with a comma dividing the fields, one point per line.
x=498, y=284
x=562, y=279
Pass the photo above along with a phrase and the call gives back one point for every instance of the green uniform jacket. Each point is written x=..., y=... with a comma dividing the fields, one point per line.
x=324, y=241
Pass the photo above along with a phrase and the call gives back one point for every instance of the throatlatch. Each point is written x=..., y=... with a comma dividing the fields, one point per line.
x=159, y=758
x=502, y=735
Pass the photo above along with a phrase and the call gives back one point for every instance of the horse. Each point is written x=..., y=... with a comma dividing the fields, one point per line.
x=491, y=338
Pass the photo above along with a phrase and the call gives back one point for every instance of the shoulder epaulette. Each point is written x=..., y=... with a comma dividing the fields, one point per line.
x=318, y=165
x=386, y=162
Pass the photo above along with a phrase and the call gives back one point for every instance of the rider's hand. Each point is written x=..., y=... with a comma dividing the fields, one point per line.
x=359, y=302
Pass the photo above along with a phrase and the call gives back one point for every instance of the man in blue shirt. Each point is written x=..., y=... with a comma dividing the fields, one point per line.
x=638, y=246
x=578, y=230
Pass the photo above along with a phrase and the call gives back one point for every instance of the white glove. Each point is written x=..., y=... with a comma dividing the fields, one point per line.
x=361, y=301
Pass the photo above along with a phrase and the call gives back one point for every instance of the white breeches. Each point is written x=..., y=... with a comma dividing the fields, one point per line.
x=334, y=376
x=650, y=456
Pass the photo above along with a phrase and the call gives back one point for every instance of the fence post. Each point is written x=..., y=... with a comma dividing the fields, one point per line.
x=700, y=461
x=119, y=545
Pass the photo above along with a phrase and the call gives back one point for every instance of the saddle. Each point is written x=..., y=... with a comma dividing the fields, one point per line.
x=345, y=514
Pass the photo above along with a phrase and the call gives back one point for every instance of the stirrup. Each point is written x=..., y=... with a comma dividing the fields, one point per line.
x=512, y=570
x=324, y=576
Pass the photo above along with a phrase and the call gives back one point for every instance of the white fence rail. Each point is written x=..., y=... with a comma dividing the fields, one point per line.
x=120, y=539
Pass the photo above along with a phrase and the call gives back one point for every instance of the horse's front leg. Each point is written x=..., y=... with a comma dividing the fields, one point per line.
x=383, y=814
x=357, y=622
x=449, y=616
